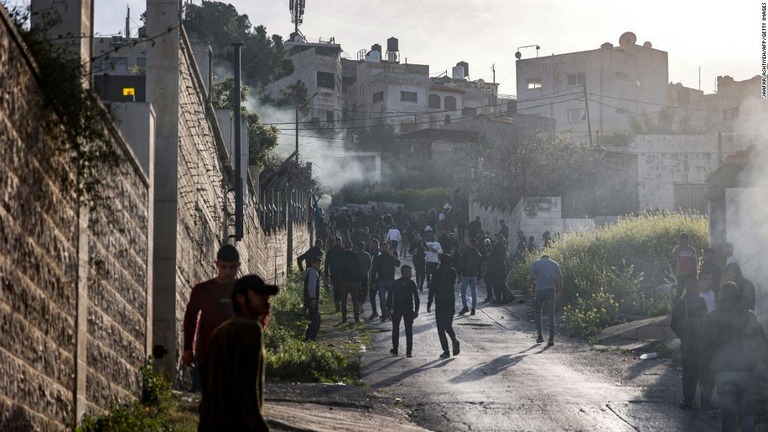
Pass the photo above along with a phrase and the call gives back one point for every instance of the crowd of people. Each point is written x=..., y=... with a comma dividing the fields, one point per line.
x=723, y=347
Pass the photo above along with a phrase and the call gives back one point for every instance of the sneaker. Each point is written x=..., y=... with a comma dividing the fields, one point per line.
x=472, y=312
x=373, y=315
x=445, y=355
x=456, y=347
x=540, y=339
x=551, y=342
x=383, y=319
x=408, y=355
x=686, y=406
x=464, y=310
x=488, y=300
x=393, y=351
x=343, y=320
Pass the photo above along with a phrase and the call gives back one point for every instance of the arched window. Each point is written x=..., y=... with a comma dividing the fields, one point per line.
x=450, y=103
x=434, y=101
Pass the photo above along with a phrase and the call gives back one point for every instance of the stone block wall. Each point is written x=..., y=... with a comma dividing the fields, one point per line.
x=664, y=160
x=73, y=282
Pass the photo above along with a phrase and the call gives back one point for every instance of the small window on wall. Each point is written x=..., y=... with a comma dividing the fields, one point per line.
x=434, y=101
x=690, y=197
x=576, y=79
x=450, y=103
x=533, y=83
x=326, y=80
x=378, y=97
x=577, y=115
x=407, y=96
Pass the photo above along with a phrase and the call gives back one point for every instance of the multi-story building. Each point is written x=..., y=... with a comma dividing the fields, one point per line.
x=595, y=90
x=381, y=90
x=119, y=69
x=318, y=66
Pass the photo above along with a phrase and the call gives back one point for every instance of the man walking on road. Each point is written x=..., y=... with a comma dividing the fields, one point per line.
x=332, y=270
x=383, y=274
x=312, y=297
x=685, y=263
x=469, y=268
x=548, y=282
x=233, y=393
x=403, y=303
x=687, y=320
x=350, y=277
x=209, y=306
x=434, y=249
x=441, y=292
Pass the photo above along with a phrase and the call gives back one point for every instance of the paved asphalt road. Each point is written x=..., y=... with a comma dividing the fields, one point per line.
x=504, y=381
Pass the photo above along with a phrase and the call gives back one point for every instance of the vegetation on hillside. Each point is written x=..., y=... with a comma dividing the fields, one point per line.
x=616, y=270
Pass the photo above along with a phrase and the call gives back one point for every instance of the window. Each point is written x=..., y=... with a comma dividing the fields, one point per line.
x=141, y=62
x=533, y=83
x=329, y=116
x=690, y=197
x=450, y=103
x=576, y=79
x=469, y=112
x=120, y=65
x=576, y=114
x=407, y=96
x=378, y=97
x=326, y=80
x=434, y=101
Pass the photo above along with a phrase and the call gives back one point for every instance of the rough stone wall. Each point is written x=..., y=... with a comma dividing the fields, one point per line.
x=42, y=361
x=117, y=291
x=38, y=253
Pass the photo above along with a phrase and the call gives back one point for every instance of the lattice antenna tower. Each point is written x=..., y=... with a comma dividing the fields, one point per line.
x=297, y=12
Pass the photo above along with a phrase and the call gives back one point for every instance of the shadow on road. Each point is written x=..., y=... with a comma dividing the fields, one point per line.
x=495, y=366
x=410, y=372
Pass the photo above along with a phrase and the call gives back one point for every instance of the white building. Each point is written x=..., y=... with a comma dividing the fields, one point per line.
x=619, y=82
x=318, y=66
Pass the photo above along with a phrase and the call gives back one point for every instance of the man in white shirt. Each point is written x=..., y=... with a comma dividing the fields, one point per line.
x=432, y=259
x=705, y=285
x=393, y=237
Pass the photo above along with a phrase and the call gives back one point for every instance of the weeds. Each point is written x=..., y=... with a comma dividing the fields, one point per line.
x=617, y=269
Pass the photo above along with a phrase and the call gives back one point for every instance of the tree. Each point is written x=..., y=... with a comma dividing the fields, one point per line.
x=219, y=24
x=261, y=139
x=526, y=164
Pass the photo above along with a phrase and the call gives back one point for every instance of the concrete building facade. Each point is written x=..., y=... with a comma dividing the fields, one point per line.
x=613, y=82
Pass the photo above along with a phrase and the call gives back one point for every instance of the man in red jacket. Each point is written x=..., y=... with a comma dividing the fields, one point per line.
x=209, y=306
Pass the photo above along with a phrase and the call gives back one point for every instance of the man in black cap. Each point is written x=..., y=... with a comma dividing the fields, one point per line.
x=233, y=392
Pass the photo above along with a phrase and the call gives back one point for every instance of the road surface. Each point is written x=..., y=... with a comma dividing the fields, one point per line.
x=504, y=381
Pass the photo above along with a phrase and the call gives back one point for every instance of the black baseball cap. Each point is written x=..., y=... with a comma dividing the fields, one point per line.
x=254, y=283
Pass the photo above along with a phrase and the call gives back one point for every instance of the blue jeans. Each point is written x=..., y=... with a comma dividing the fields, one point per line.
x=736, y=392
x=383, y=288
x=545, y=296
x=472, y=282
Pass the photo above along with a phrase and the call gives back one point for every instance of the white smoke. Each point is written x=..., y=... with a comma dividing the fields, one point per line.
x=333, y=164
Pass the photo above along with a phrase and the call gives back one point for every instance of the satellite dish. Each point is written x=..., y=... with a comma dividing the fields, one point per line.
x=480, y=83
x=518, y=55
x=627, y=39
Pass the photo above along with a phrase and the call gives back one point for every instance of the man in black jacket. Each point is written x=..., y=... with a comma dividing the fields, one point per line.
x=441, y=292
x=687, y=320
x=303, y=260
x=383, y=274
x=497, y=271
x=403, y=303
x=418, y=250
x=350, y=277
x=734, y=345
x=469, y=270
x=365, y=268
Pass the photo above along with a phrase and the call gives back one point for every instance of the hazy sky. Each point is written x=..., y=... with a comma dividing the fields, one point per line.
x=722, y=39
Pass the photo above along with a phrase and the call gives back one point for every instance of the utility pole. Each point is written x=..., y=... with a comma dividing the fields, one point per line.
x=586, y=104
x=236, y=95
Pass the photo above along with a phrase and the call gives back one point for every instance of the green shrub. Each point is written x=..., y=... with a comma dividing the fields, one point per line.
x=627, y=261
x=151, y=413
x=291, y=358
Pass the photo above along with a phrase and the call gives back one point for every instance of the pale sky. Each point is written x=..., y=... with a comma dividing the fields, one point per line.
x=722, y=39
